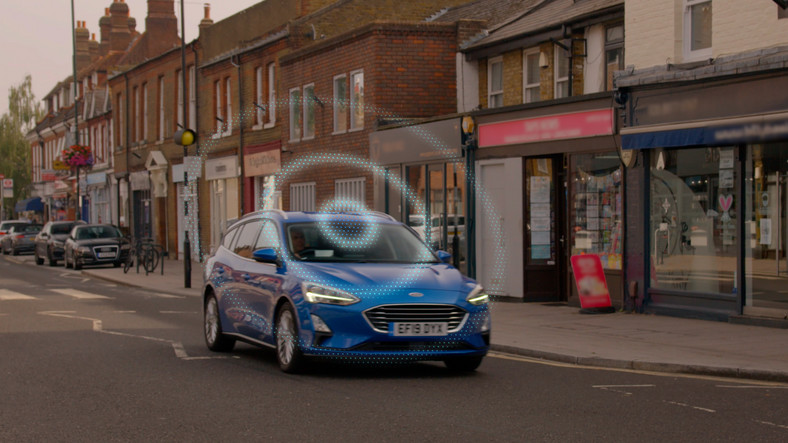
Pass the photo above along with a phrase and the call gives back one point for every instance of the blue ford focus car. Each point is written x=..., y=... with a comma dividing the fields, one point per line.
x=358, y=287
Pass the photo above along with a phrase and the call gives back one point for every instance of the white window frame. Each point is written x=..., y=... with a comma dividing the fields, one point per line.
x=161, y=109
x=271, y=108
x=356, y=124
x=259, y=114
x=137, y=111
x=302, y=197
x=699, y=54
x=295, y=115
x=351, y=189
x=308, y=107
x=538, y=84
x=339, y=104
x=228, y=121
x=217, y=85
x=559, y=52
x=490, y=92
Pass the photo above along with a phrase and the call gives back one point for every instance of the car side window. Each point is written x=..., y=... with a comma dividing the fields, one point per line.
x=246, y=238
x=228, y=237
x=269, y=237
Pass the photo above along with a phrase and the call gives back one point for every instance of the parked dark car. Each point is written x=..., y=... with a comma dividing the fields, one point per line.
x=49, y=243
x=20, y=239
x=6, y=226
x=95, y=244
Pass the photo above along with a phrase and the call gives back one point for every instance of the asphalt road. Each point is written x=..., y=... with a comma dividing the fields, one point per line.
x=86, y=360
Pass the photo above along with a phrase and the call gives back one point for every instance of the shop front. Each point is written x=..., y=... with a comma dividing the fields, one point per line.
x=712, y=161
x=551, y=186
x=261, y=164
x=221, y=175
x=422, y=182
x=98, y=205
x=141, y=205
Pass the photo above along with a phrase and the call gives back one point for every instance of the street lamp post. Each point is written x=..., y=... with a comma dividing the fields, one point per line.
x=187, y=258
x=469, y=145
x=76, y=88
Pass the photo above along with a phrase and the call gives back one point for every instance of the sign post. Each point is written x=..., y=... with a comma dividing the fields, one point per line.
x=591, y=284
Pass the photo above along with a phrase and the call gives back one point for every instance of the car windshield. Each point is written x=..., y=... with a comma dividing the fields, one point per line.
x=13, y=226
x=90, y=232
x=356, y=241
x=32, y=228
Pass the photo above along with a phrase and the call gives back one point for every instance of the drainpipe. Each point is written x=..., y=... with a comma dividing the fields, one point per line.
x=241, y=131
x=127, y=141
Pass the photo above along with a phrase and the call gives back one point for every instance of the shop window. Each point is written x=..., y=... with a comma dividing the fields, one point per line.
x=697, y=29
x=596, y=208
x=266, y=196
x=495, y=83
x=531, y=76
x=692, y=232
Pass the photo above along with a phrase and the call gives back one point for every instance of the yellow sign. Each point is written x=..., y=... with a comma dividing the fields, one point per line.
x=60, y=165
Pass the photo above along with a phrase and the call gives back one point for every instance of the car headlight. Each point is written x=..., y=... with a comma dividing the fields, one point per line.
x=478, y=296
x=125, y=246
x=322, y=294
x=83, y=250
x=57, y=244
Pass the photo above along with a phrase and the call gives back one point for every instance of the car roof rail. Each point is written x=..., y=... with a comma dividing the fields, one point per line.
x=374, y=213
x=281, y=213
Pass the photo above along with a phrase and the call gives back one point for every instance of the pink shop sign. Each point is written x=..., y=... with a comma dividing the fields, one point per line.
x=554, y=127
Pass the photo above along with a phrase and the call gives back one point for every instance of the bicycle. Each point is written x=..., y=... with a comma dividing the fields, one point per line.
x=145, y=253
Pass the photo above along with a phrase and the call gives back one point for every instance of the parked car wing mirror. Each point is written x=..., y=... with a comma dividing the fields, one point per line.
x=266, y=255
x=444, y=256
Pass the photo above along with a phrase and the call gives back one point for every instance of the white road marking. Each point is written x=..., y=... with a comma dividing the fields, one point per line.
x=161, y=295
x=615, y=388
x=79, y=294
x=752, y=387
x=177, y=346
x=178, y=312
x=768, y=423
x=6, y=294
x=690, y=406
x=124, y=312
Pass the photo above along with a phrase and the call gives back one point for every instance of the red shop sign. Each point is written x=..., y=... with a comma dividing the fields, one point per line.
x=590, y=281
x=554, y=127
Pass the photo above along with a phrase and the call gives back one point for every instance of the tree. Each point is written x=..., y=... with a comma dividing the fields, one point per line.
x=23, y=113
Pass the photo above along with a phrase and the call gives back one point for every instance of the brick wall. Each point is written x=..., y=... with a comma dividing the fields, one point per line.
x=408, y=72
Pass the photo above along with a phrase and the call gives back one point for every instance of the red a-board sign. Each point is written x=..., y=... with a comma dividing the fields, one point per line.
x=590, y=281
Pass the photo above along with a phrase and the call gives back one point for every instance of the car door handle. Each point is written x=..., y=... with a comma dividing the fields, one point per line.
x=246, y=276
x=220, y=270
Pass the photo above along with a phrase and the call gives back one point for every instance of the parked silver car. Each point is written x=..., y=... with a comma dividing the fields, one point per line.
x=20, y=238
x=6, y=226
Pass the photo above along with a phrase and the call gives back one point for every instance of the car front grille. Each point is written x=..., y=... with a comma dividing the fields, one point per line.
x=381, y=316
x=414, y=346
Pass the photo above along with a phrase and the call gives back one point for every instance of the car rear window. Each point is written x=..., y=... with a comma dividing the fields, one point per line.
x=62, y=229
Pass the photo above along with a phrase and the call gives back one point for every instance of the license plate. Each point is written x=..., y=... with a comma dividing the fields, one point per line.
x=106, y=255
x=418, y=329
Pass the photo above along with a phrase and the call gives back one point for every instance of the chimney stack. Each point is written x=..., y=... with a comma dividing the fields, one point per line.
x=105, y=26
x=133, y=26
x=120, y=37
x=93, y=47
x=82, y=45
x=206, y=21
x=161, y=27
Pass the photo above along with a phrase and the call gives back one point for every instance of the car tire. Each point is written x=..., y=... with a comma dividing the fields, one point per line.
x=14, y=251
x=116, y=264
x=50, y=257
x=288, y=349
x=463, y=364
x=76, y=264
x=212, y=327
x=66, y=263
x=39, y=260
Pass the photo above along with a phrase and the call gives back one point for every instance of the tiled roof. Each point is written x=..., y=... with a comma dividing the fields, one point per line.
x=545, y=15
x=494, y=12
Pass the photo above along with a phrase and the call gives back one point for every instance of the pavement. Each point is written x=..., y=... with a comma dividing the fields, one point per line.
x=561, y=333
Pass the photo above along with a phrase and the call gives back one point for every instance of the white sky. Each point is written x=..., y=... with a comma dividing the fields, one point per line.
x=35, y=35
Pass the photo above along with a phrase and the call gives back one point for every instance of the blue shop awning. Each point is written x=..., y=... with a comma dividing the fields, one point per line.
x=757, y=129
x=29, y=204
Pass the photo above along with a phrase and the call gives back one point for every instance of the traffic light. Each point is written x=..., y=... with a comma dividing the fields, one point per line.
x=184, y=137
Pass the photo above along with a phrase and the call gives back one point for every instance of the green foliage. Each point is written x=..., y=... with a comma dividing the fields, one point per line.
x=23, y=113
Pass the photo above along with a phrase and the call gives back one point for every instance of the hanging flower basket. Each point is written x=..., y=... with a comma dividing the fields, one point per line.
x=78, y=155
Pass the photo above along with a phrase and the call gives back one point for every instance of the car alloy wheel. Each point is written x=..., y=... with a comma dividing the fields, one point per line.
x=288, y=351
x=214, y=338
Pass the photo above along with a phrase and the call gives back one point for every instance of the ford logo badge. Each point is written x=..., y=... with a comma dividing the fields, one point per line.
x=416, y=294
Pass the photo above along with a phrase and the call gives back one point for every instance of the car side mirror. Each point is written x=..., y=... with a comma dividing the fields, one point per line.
x=444, y=256
x=266, y=255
